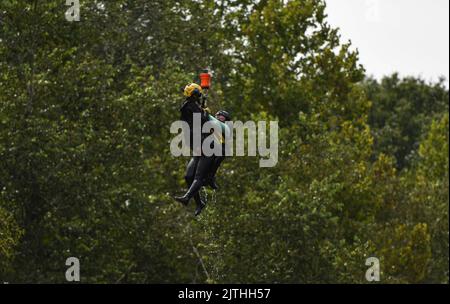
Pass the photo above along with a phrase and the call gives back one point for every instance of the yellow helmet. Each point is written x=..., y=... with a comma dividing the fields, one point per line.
x=192, y=89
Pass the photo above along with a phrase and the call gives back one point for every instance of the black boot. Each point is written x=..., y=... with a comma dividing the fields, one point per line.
x=195, y=187
x=212, y=174
x=182, y=199
x=200, y=204
x=212, y=183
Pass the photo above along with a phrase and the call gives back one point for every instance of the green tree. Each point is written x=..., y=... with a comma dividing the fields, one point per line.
x=86, y=171
x=402, y=110
x=10, y=234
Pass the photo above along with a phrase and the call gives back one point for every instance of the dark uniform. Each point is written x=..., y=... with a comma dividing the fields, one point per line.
x=199, y=167
x=218, y=159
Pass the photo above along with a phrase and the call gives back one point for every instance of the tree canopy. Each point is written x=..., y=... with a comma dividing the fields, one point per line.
x=86, y=169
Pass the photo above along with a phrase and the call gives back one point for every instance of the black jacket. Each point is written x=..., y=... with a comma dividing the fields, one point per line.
x=188, y=109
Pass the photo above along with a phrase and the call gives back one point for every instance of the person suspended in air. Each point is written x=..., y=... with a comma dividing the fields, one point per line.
x=201, y=169
x=199, y=166
x=220, y=118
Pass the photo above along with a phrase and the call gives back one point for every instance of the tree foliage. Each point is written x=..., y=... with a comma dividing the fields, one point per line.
x=86, y=169
x=402, y=112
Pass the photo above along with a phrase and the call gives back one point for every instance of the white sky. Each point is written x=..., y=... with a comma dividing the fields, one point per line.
x=406, y=36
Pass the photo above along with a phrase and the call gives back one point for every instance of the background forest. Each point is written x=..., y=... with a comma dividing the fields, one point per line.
x=86, y=169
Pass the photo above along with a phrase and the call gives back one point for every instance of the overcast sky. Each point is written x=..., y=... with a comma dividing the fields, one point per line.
x=407, y=36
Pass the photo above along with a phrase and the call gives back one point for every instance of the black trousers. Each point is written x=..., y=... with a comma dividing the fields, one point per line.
x=198, y=169
x=215, y=165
